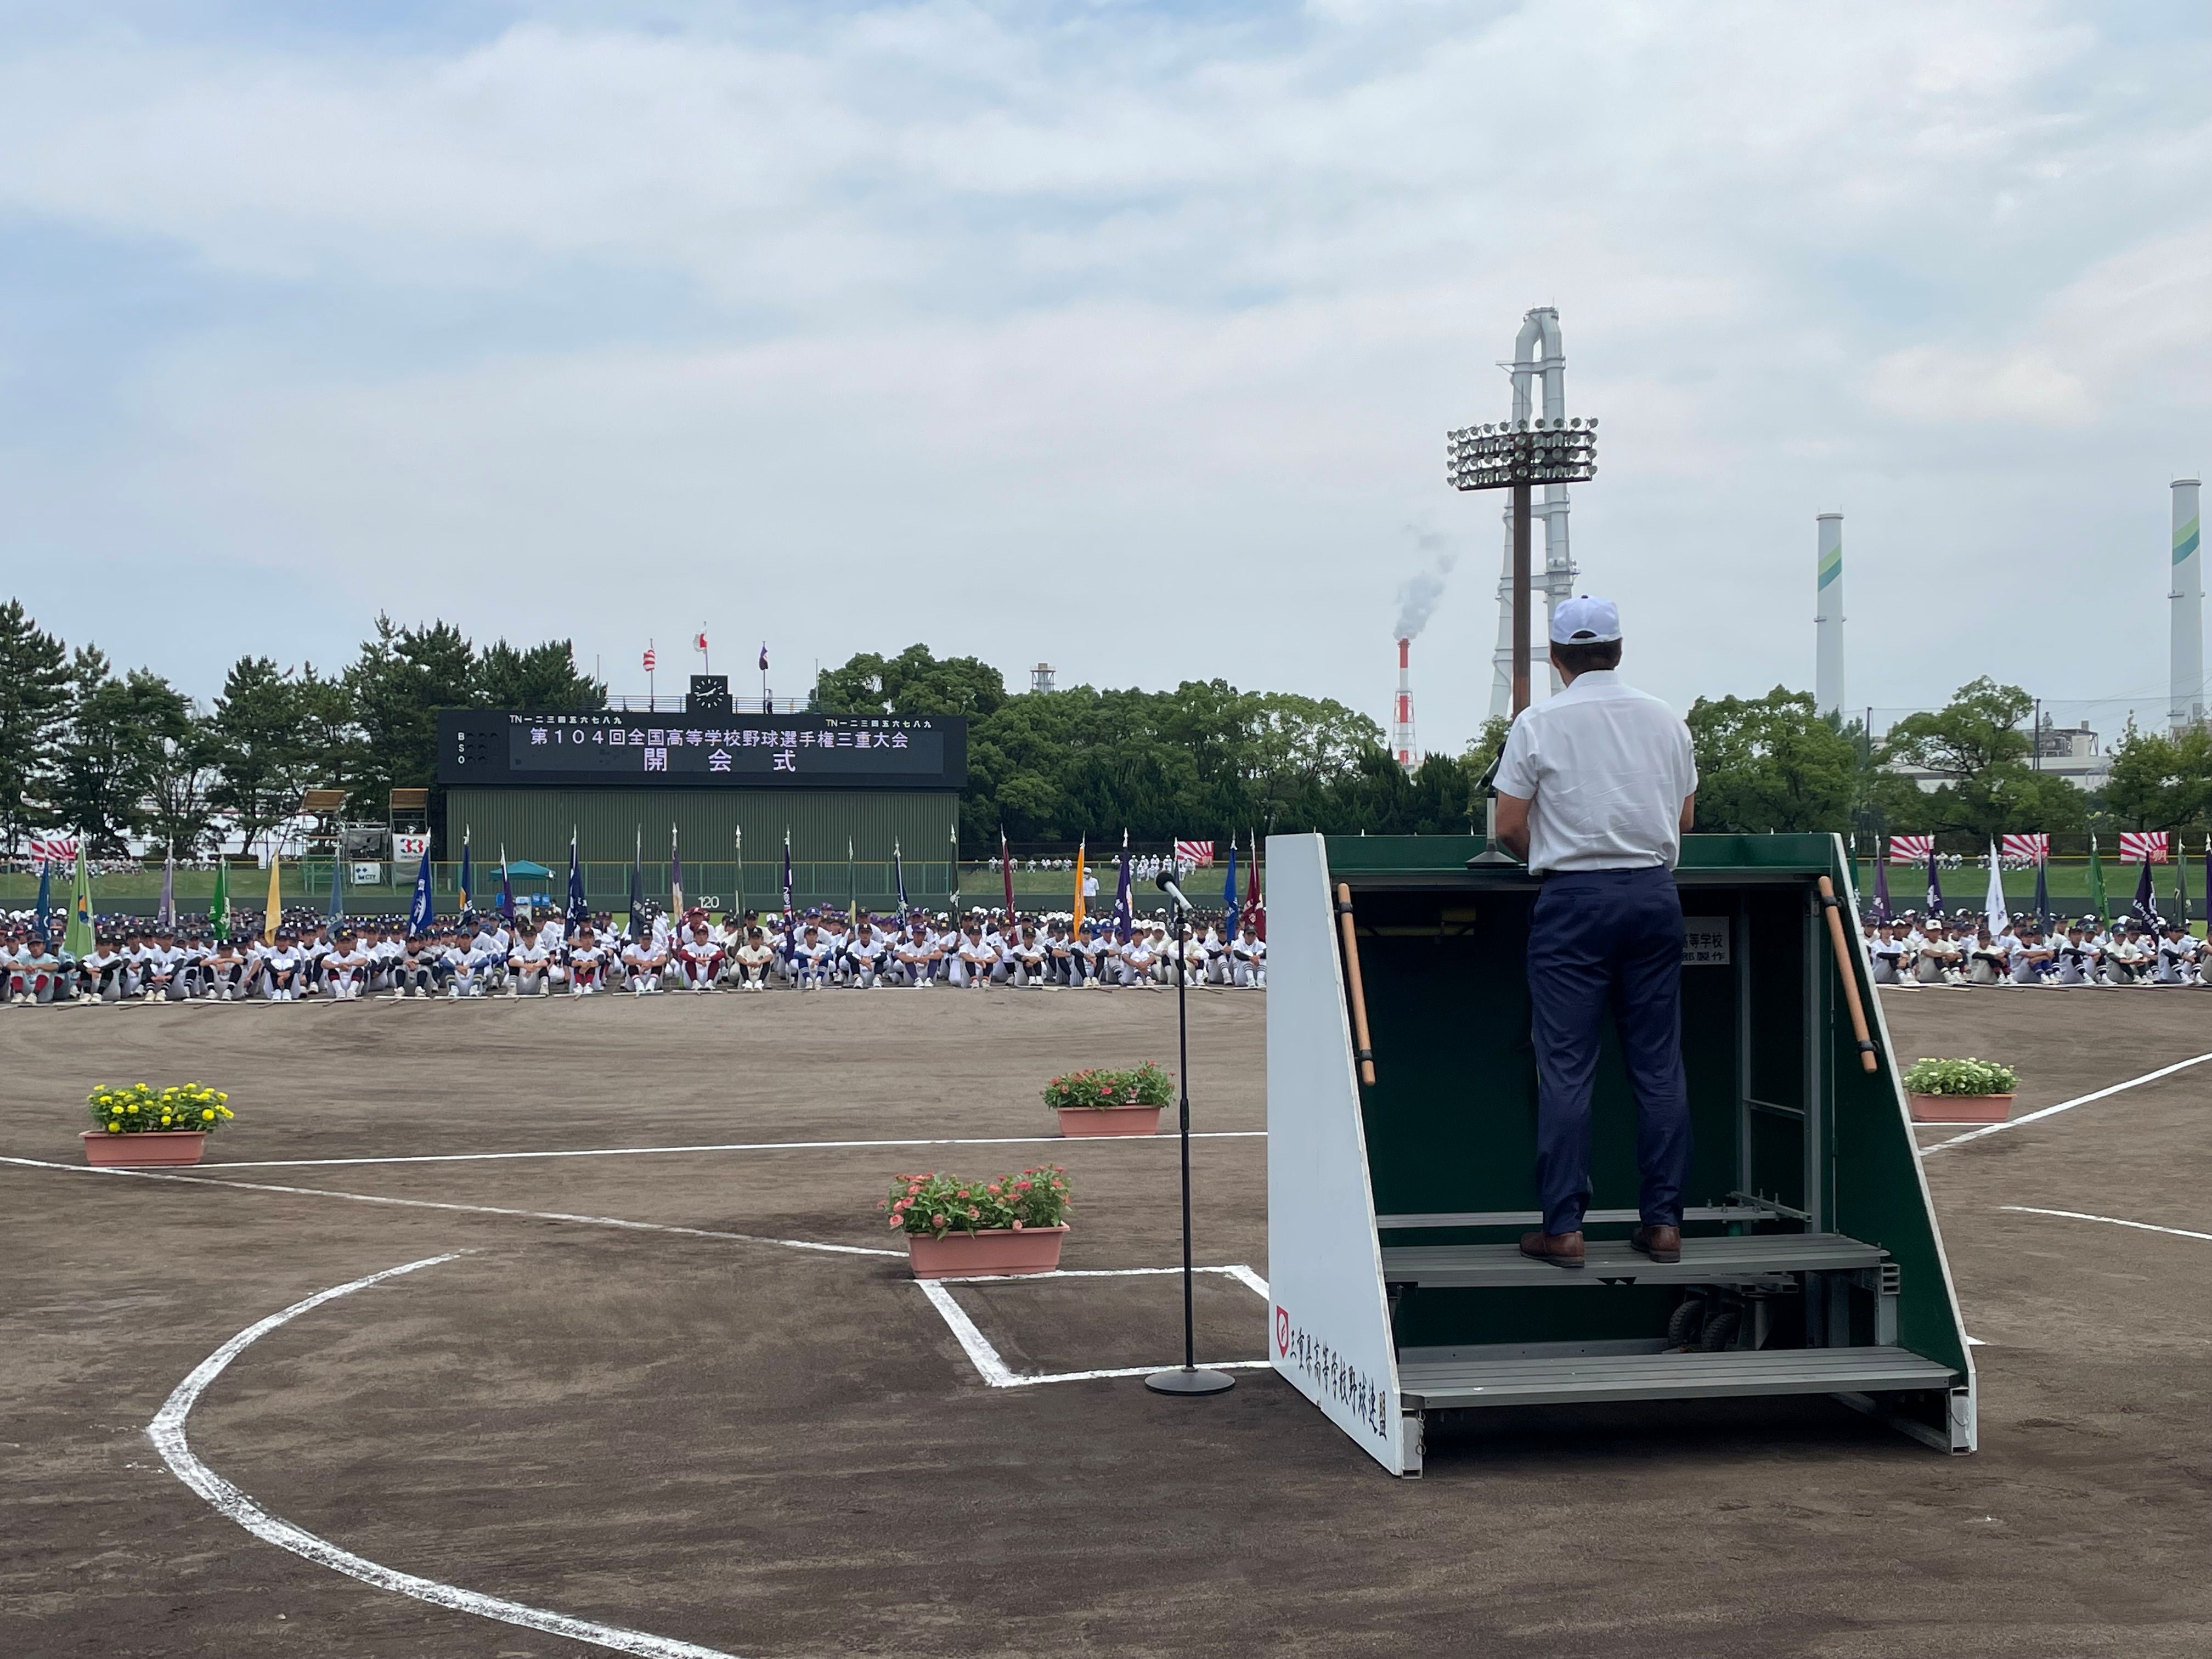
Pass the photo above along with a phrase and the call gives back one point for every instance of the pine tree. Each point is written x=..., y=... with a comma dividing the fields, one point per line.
x=34, y=699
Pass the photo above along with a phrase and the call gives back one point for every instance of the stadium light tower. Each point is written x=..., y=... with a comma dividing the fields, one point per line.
x=1517, y=455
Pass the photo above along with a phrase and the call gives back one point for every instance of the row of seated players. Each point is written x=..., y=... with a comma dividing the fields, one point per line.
x=1930, y=951
x=476, y=956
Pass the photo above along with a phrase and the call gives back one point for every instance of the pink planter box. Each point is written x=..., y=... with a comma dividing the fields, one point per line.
x=996, y=1250
x=150, y=1146
x=1959, y=1109
x=1110, y=1119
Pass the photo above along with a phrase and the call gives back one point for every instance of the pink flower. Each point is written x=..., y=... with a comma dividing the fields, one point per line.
x=1018, y=1224
x=937, y=1221
x=1022, y=1186
x=974, y=1214
x=896, y=1221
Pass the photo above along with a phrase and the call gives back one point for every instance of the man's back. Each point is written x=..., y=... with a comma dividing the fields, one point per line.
x=1607, y=768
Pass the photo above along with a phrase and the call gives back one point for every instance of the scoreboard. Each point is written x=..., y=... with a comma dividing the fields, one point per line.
x=614, y=747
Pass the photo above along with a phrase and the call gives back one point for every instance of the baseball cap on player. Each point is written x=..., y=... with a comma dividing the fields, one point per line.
x=1585, y=620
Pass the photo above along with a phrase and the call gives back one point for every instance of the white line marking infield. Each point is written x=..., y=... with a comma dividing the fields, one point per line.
x=2067, y=1105
x=167, y=1431
x=2109, y=1220
x=1164, y=1138
x=991, y=1367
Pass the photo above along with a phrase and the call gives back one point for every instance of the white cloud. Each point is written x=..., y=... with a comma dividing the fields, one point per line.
x=937, y=322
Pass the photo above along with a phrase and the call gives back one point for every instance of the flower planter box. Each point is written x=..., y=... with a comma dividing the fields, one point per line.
x=1959, y=1109
x=994, y=1250
x=145, y=1148
x=1110, y=1119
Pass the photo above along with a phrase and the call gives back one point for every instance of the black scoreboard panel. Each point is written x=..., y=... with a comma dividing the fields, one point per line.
x=497, y=748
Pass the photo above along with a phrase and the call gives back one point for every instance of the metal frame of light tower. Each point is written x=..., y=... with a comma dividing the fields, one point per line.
x=1828, y=619
x=1537, y=355
x=2186, y=700
x=1518, y=455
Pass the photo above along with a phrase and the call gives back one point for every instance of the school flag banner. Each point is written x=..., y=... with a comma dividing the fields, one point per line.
x=898, y=880
x=219, y=906
x=1082, y=848
x=77, y=938
x=2142, y=846
x=506, y=887
x=2098, y=907
x=274, y=911
x=787, y=882
x=419, y=910
x=1006, y=870
x=1125, y=910
x=1935, y=882
x=468, y=873
x=40, y=917
x=165, y=912
x=1194, y=855
x=1993, y=903
x=1256, y=908
x=336, y=910
x=2145, y=907
x=1911, y=850
x=1881, y=892
x=577, y=913
x=676, y=869
x=636, y=886
x=2035, y=848
x=1228, y=892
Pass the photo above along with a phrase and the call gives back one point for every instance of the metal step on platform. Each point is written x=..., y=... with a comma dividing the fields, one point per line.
x=1551, y=1380
x=1705, y=1262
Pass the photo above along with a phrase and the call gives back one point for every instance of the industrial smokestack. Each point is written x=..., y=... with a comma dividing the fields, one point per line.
x=1401, y=725
x=2187, y=699
x=1828, y=618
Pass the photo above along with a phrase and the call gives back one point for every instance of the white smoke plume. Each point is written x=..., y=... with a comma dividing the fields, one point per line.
x=1418, y=594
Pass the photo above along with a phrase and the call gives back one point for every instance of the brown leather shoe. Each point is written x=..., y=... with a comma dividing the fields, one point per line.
x=1659, y=1243
x=1560, y=1249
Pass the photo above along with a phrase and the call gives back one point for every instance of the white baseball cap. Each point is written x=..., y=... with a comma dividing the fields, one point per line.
x=1585, y=620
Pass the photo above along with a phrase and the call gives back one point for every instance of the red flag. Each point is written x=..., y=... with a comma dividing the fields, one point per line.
x=1256, y=912
x=1007, y=869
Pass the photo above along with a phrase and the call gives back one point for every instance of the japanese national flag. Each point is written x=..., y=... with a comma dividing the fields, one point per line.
x=699, y=641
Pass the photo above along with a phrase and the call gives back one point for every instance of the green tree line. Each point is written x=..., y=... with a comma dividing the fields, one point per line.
x=125, y=757
x=129, y=757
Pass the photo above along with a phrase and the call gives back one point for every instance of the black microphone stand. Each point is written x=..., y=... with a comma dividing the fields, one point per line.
x=1188, y=1378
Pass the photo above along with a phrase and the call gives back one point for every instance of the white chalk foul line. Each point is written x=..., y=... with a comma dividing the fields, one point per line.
x=167, y=1431
x=733, y=1146
x=465, y=1209
x=994, y=1370
x=2066, y=1105
x=2109, y=1220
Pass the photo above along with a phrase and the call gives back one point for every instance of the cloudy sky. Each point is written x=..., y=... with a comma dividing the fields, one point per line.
x=1119, y=335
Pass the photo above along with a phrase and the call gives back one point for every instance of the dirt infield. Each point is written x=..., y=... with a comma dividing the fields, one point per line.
x=767, y=1450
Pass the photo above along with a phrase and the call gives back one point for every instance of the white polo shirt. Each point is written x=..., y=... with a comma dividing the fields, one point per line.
x=1607, y=768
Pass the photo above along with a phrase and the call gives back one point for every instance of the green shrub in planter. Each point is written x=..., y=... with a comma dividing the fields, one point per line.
x=941, y=1204
x=1960, y=1076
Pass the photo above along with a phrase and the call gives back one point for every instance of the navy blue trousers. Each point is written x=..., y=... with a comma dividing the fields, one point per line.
x=1601, y=939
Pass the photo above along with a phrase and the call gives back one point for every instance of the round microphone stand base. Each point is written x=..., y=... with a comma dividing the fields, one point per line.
x=1190, y=1379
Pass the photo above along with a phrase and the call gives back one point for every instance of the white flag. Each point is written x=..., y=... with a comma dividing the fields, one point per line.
x=1993, y=907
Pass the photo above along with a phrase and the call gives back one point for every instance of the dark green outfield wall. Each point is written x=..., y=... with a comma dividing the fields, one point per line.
x=535, y=823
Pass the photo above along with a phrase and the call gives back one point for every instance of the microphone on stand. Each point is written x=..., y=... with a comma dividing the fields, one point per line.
x=1166, y=881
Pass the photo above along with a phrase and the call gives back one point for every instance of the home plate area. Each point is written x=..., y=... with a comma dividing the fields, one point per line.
x=1083, y=1326
x=621, y=1397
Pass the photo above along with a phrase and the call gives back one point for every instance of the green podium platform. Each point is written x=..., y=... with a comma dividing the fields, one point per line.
x=1811, y=1260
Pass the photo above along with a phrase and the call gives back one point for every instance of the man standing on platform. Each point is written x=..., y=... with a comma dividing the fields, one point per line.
x=1594, y=789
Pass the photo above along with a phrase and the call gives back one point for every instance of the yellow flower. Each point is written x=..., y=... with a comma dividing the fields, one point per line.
x=222, y=1097
x=134, y=1105
x=208, y=1114
x=115, y=1128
